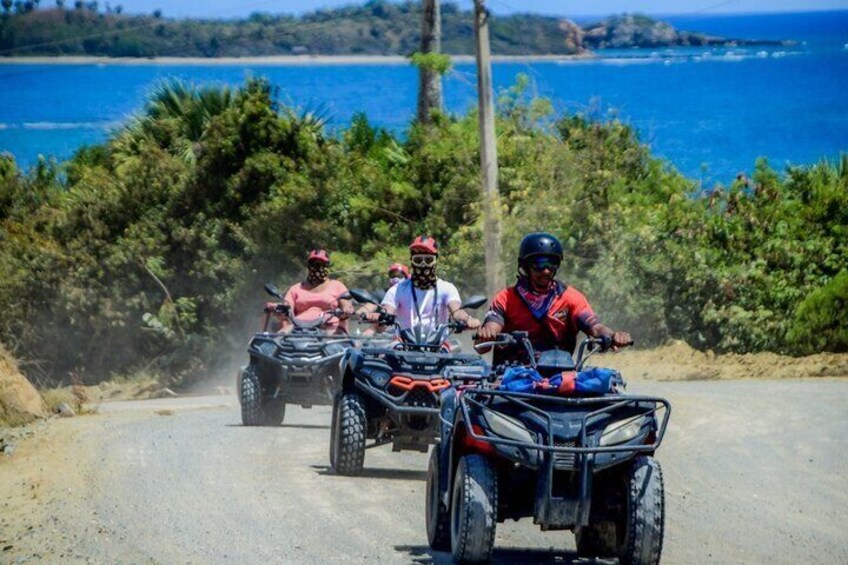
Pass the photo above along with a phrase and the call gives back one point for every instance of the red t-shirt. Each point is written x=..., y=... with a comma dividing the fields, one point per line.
x=569, y=313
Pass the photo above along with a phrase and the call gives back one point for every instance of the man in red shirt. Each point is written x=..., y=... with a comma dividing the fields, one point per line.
x=551, y=312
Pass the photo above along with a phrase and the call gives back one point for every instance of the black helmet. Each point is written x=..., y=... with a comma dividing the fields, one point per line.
x=539, y=243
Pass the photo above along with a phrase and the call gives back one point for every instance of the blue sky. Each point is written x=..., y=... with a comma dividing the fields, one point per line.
x=236, y=8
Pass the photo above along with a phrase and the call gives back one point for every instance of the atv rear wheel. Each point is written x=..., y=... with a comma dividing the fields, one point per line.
x=250, y=397
x=627, y=517
x=348, y=440
x=436, y=513
x=474, y=510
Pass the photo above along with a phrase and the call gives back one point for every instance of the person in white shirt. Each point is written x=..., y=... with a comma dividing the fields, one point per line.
x=424, y=300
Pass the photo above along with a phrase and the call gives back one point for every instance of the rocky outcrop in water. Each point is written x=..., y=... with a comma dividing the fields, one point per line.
x=635, y=30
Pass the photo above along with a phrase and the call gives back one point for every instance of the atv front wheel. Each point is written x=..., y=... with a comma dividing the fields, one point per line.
x=273, y=412
x=627, y=517
x=250, y=396
x=348, y=440
x=474, y=510
x=436, y=513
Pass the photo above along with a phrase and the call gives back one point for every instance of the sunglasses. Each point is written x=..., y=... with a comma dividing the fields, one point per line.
x=423, y=260
x=541, y=264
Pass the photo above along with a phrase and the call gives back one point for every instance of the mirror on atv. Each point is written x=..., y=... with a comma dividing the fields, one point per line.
x=361, y=295
x=345, y=296
x=273, y=291
x=475, y=301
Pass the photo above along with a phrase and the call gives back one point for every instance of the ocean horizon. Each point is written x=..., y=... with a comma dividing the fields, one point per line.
x=710, y=112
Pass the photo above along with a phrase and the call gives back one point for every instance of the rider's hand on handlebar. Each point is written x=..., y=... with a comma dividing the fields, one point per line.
x=621, y=339
x=486, y=334
x=472, y=323
x=275, y=307
x=372, y=317
x=346, y=311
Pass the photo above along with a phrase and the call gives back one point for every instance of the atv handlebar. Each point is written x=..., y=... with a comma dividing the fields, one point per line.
x=587, y=348
x=503, y=340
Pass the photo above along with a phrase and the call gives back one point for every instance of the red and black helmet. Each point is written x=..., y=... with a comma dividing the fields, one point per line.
x=319, y=255
x=399, y=268
x=424, y=244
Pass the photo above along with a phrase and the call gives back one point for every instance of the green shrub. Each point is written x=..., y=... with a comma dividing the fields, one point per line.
x=821, y=319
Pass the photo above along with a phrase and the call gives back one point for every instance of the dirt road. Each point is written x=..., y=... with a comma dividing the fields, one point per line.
x=755, y=473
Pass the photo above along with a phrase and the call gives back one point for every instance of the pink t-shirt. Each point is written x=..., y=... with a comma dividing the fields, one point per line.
x=309, y=304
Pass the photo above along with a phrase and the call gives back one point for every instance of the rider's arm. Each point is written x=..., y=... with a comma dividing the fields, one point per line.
x=388, y=305
x=619, y=339
x=346, y=307
x=366, y=308
x=592, y=326
x=291, y=298
x=488, y=332
x=456, y=311
x=389, y=302
x=460, y=315
x=495, y=319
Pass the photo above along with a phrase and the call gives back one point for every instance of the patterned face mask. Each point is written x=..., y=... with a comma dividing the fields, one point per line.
x=318, y=273
x=424, y=277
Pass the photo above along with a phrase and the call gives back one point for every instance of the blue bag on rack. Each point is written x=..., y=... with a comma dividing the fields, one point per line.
x=591, y=381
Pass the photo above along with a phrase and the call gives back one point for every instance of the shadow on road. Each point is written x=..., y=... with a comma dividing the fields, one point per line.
x=398, y=474
x=298, y=426
x=305, y=426
x=423, y=555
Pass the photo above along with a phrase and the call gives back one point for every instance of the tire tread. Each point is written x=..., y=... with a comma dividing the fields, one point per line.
x=351, y=441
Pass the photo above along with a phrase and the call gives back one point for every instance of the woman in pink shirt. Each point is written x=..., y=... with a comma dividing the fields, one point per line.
x=316, y=295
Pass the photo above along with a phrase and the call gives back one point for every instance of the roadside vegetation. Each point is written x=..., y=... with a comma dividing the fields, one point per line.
x=376, y=28
x=147, y=253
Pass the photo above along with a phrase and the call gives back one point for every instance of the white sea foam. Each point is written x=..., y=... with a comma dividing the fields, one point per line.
x=621, y=61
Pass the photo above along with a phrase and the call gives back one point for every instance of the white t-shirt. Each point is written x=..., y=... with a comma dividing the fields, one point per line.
x=429, y=313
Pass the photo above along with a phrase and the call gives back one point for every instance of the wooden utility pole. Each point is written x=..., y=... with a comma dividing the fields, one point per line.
x=430, y=81
x=488, y=151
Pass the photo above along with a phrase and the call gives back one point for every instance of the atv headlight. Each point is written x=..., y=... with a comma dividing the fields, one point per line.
x=622, y=431
x=267, y=348
x=378, y=378
x=507, y=427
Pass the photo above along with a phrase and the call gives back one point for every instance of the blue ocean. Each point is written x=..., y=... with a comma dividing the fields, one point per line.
x=709, y=112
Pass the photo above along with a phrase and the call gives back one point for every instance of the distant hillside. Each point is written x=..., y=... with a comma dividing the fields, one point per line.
x=377, y=28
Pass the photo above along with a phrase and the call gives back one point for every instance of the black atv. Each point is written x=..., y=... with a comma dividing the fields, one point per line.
x=298, y=367
x=584, y=464
x=390, y=394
